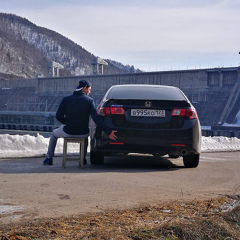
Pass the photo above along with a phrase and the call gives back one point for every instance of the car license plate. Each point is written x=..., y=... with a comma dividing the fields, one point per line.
x=147, y=113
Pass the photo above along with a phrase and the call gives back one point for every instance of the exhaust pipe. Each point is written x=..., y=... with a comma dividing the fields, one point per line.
x=184, y=152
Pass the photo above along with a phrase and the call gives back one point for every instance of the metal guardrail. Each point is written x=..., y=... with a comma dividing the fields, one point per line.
x=24, y=132
x=223, y=133
x=32, y=127
x=46, y=130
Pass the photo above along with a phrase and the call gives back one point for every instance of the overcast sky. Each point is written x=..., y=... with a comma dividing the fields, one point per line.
x=152, y=35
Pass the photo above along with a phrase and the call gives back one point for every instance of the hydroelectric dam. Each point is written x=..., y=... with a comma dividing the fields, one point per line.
x=32, y=103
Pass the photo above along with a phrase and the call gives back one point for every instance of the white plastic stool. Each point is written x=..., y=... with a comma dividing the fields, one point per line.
x=81, y=151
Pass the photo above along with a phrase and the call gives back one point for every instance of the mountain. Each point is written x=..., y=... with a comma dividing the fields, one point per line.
x=27, y=49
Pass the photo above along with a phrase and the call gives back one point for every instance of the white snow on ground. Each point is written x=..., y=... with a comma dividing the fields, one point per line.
x=12, y=146
x=10, y=209
x=218, y=144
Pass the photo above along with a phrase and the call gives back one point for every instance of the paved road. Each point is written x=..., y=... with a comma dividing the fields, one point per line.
x=29, y=190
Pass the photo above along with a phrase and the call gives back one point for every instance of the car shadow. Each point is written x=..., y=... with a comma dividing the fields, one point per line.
x=124, y=163
x=137, y=162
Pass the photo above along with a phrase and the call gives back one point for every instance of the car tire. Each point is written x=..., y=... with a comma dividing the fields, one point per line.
x=191, y=161
x=96, y=157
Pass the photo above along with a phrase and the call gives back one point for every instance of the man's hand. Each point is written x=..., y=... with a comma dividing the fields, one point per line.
x=112, y=135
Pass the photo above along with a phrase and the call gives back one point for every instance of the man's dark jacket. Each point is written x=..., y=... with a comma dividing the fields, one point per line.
x=74, y=112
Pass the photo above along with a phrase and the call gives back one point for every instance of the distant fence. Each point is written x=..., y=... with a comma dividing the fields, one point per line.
x=224, y=131
x=25, y=127
x=31, y=121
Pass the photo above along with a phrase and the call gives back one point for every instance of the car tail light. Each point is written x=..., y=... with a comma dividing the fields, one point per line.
x=117, y=110
x=182, y=112
x=103, y=111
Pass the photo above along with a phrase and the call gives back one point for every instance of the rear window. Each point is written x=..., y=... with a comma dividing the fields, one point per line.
x=151, y=92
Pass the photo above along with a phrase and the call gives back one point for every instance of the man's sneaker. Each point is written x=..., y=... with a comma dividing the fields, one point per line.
x=48, y=161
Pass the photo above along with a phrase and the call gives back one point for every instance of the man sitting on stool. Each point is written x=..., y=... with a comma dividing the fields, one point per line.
x=74, y=112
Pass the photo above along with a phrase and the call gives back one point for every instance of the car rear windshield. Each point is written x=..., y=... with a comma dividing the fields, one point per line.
x=151, y=92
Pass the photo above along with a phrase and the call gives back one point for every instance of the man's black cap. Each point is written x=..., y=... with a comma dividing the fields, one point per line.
x=82, y=84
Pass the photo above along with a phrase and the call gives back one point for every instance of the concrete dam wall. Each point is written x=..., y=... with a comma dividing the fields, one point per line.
x=213, y=92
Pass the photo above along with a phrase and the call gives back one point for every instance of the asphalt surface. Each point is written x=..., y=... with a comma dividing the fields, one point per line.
x=29, y=190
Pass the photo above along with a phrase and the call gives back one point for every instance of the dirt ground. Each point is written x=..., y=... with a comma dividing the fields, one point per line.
x=209, y=219
x=50, y=198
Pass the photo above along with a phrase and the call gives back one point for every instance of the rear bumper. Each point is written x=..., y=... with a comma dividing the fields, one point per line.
x=176, y=142
x=146, y=147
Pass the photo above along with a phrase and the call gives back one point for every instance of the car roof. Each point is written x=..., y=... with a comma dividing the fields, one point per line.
x=145, y=91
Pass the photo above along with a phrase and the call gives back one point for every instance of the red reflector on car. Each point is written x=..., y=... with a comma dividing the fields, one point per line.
x=178, y=145
x=116, y=143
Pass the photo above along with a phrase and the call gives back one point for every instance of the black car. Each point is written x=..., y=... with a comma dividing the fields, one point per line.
x=153, y=119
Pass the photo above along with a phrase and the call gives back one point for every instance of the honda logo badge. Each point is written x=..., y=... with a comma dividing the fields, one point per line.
x=148, y=104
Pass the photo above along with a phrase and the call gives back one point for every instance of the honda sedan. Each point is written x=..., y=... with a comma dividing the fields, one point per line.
x=152, y=119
